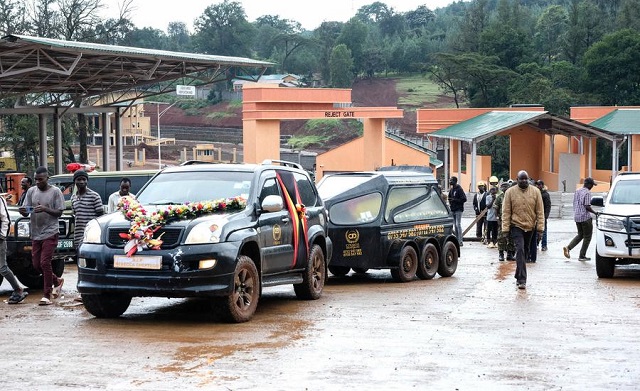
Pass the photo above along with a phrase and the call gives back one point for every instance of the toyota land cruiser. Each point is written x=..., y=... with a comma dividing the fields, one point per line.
x=219, y=231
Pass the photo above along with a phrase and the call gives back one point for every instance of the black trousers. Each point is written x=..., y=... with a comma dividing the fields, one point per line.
x=522, y=241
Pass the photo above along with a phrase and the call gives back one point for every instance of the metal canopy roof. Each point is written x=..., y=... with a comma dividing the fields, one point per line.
x=494, y=122
x=620, y=121
x=50, y=72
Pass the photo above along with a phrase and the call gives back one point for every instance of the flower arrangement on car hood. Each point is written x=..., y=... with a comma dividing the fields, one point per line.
x=144, y=225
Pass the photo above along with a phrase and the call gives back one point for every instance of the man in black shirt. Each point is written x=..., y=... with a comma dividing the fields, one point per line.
x=457, y=198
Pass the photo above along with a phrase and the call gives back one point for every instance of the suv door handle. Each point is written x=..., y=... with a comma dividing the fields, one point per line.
x=285, y=219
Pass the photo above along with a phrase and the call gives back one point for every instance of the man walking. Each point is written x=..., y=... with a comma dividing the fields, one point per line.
x=582, y=216
x=522, y=215
x=87, y=205
x=25, y=184
x=18, y=294
x=457, y=198
x=546, y=202
x=504, y=239
x=44, y=204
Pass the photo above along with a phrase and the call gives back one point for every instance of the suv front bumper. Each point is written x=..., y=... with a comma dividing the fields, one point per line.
x=179, y=275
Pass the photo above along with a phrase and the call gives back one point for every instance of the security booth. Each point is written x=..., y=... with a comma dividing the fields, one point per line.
x=393, y=218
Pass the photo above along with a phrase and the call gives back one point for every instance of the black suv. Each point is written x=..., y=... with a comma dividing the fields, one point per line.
x=19, y=248
x=229, y=230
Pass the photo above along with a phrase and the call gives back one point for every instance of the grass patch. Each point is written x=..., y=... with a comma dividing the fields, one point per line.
x=417, y=90
x=220, y=115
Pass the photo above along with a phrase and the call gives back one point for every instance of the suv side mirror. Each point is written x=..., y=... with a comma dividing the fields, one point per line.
x=272, y=203
x=597, y=201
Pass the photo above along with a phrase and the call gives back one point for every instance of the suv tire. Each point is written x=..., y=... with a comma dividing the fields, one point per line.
x=106, y=305
x=241, y=304
x=605, y=266
x=406, y=270
x=313, y=277
x=429, y=262
x=449, y=261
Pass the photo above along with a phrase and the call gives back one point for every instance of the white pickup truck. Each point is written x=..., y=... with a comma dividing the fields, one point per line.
x=618, y=225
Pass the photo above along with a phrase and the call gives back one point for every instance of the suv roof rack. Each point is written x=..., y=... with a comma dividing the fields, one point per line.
x=282, y=163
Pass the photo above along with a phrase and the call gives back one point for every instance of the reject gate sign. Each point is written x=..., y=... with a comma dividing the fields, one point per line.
x=186, y=90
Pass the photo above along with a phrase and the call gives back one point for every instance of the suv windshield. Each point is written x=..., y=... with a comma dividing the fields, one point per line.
x=182, y=187
x=332, y=185
x=626, y=192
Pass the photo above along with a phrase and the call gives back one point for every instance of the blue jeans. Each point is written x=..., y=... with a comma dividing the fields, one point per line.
x=457, y=222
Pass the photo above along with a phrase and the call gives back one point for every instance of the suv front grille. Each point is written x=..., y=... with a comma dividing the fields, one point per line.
x=63, y=227
x=170, y=237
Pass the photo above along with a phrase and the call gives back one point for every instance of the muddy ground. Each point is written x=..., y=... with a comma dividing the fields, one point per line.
x=568, y=331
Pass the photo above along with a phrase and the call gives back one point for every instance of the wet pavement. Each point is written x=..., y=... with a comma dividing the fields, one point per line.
x=568, y=331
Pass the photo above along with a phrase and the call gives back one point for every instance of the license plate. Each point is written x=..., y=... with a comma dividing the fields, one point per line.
x=64, y=244
x=137, y=262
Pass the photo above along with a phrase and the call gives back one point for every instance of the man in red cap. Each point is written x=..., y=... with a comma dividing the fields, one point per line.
x=582, y=216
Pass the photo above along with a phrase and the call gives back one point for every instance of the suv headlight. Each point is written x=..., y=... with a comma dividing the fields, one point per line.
x=92, y=233
x=205, y=232
x=610, y=223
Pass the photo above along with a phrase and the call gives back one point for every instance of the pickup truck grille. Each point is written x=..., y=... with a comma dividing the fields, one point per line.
x=64, y=227
x=170, y=237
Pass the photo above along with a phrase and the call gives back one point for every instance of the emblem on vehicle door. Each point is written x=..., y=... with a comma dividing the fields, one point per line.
x=352, y=236
x=277, y=233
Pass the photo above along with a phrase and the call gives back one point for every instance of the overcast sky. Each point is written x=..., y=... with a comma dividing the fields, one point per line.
x=159, y=13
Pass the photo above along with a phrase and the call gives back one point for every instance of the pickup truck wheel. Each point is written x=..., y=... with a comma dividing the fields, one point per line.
x=449, y=261
x=241, y=304
x=406, y=271
x=34, y=280
x=106, y=305
x=605, y=266
x=339, y=271
x=429, y=262
x=313, y=277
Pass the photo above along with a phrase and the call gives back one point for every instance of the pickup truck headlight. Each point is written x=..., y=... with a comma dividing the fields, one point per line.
x=23, y=228
x=610, y=223
x=92, y=233
x=206, y=232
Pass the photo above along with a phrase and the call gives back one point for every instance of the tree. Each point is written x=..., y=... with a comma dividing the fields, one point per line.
x=549, y=29
x=325, y=37
x=354, y=36
x=613, y=68
x=13, y=17
x=45, y=20
x=448, y=75
x=419, y=19
x=147, y=37
x=178, y=37
x=223, y=30
x=341, y=64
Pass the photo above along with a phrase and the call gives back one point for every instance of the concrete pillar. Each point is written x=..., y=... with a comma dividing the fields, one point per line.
x=105, y=142
x=374, y=142
x=42, y=130
x=261, y=140
x=118, y=140
x=57, y=143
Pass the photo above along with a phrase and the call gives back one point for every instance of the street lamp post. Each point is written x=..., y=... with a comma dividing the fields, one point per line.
x=160, y=114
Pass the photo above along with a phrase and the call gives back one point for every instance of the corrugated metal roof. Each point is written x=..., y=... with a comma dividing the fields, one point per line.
x=620, y=121
x=128, y=50
x=486, y=125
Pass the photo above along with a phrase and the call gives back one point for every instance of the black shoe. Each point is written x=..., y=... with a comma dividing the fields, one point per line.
x=584, y=259
x=501, y=259
x=521, y=285
x=544, y=248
